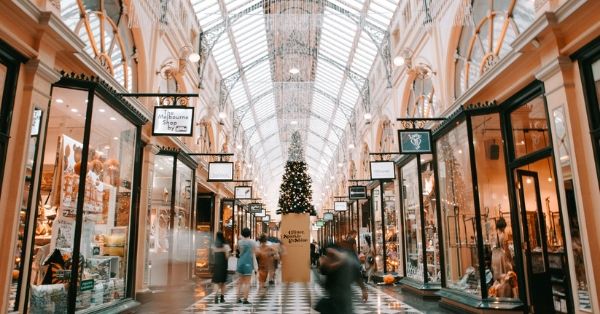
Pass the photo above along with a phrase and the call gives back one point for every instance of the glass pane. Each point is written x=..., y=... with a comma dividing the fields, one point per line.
x=530, y=127
x=57, y=202
x=458, y=212
x=376, y=201
x=391, y=227
x=182, y=228
x=412, y=221
x=106, y=208
x=432, y=247
x=160, y=220
x=596, y=75
x=24, y=212
x=3, y=70
x=494, y=204
x=227, y=221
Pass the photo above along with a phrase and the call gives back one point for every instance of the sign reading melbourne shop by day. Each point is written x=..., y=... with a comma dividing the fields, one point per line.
x=415, y=141
x=173, y=120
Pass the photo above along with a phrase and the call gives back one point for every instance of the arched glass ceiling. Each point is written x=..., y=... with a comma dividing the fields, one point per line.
x=248, y=45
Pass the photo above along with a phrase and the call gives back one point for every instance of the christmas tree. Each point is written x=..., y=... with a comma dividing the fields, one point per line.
x=295, y=193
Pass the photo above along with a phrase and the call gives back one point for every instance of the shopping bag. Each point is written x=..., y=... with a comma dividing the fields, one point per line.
x=232, y=263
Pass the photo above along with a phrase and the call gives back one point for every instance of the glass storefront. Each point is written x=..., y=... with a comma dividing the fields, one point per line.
x=170, y=212
x=81, y=257
x=391, y=218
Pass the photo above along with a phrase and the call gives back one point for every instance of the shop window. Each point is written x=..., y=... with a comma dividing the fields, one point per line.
x=496, y=223
x=412, y=221
x=392, y=239
x=102, y=26
x=458, y=212
x=492, y=26
x=422, y=102
x=530, y=128
x=81, y=249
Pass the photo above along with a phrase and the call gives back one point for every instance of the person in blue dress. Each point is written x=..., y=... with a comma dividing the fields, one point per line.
x=245, y=265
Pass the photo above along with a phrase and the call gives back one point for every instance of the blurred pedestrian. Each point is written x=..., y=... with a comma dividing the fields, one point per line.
x=245, y=265
x=220, y=255
x=369, y=263
x=265, y=256
x=276, y=259
x=341, y=269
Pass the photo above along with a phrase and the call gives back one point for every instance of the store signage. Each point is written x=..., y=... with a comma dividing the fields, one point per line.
x=36, y=123
x=255, y=208
x=266, y=218
x=262, y=213
x=220, y=171
x=340, y=206
x=86, y=285
x=173, y=120
x=320, y=223
x=328, y=216
x=357, y=192
x=243, y=192
x=383, y=170
x=415, y=141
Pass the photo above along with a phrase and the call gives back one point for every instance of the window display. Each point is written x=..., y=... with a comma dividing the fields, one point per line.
x=432, y=247
x=227, y=221
x=377, y=229
x=458, y=211
x=170, y=249
x=392, y=244
x=84, y=205
x=412, y=221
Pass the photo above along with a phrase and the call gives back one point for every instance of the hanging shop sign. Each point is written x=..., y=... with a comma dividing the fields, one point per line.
x=383, y=170
x=357, y=192
x=340, y=206
x=220, y=171
x=262, y=213
x=173, y=120
x=255, y=208
x=243, y=192
x=36, y=123
x=414, y=141
x=320, y=223
x=328, y=216
x=266, y=218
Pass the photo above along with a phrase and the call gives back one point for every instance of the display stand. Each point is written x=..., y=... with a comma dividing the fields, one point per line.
x=295, y=238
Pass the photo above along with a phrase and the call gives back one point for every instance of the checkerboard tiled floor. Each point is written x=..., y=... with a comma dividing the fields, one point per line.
x=297, y=298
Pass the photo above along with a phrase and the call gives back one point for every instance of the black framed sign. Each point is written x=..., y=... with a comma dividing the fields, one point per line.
x=243, y=192
x=173, y=120
x=328, y=216
x=383, y=170
x=266, y=218
x=262, y=213
x=220, y=171
x=414, y=141
x=357, y=192
x=340, y=206
x=255, y=208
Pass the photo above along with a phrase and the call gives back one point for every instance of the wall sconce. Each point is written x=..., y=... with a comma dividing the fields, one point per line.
x=404, y=58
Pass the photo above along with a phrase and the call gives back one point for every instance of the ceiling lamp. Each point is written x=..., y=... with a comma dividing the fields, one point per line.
x=294, y=70
x=222, y=115
x=194, y=57
x=239, y=146
x=340, y=164
x=351, y=146
x=399, y=61
x=368, y=116
x=294, y=122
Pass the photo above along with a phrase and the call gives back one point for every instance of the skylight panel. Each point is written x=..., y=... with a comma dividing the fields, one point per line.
x=238, y=96
x=223, y=54
x=247, y=122
x=254, y=139
x=208, y=12
x=339, y=119
x=328, y=151
x=318, y=126
x=264, y=107
x=269, y=127
x=316, y=142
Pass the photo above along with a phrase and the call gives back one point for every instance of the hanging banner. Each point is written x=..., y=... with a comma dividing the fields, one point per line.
x=383, y=170
x=414, y=141
x=220, y=171
x=243, y=192
x=173, y=120
x=357, y=192
x=340, y=206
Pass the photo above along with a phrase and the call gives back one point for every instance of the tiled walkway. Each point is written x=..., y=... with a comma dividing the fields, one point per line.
x=284, y=298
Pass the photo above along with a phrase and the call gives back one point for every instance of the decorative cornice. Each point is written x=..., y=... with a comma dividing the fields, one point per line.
x=108, y=88
x=43, y=70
